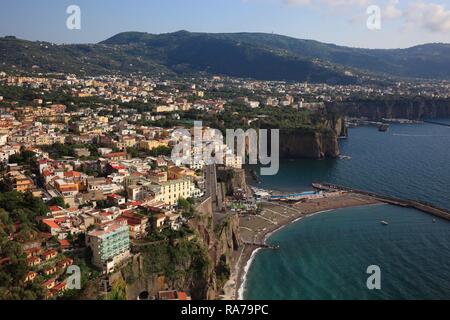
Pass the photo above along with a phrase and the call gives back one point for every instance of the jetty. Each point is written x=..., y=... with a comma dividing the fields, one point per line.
x=437, y=123
x=418, y=205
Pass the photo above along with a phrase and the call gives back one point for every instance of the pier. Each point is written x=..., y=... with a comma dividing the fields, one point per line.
x=418, y=205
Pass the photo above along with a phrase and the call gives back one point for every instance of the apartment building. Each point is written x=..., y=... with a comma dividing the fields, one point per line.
x=109, y=245
x=172, y=190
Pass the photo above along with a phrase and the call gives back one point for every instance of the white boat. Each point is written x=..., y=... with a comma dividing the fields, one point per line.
x=384, y=223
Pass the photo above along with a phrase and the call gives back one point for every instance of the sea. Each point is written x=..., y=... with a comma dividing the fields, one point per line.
x=329, y=255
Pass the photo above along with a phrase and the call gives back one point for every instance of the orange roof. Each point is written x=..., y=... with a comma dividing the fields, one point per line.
x=64, y=243
x=51, y=223
x=72, y=174
x=50, y=252
x=182, y=296
x=59, y=287
x=48, y=282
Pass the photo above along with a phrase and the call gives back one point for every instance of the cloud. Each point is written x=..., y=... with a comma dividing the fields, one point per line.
x=415, y=15
x=391, y=11
x=430, y=16
x=331, y=3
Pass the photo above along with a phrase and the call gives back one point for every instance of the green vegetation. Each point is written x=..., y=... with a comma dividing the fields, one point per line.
x=18, y=213
x=59, y=151
x=187, y=205
x=24, y=158
x=58, y=201
x=118, y=291
x=182, y=264
x=223, y=271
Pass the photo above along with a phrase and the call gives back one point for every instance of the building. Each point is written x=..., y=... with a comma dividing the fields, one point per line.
x=82, y=152
x=172, y=190
x=233, y=161
x=138, y=224
x=110, y=245
x=152, y=144
x=19, y=182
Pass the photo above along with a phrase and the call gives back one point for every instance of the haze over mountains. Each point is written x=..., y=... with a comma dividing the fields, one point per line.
x=248, y=55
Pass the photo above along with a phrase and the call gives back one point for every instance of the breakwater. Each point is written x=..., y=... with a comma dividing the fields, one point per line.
x=419, y=205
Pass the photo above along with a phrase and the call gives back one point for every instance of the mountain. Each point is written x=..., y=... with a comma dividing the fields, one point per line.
x=252, y=55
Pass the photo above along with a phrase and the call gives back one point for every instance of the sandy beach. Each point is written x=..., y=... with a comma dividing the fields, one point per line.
x=256, y=229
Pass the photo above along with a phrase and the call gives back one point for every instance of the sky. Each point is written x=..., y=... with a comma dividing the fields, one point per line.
x=402, y=23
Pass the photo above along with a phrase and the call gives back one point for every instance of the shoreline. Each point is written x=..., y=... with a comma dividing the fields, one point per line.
x=261, y=228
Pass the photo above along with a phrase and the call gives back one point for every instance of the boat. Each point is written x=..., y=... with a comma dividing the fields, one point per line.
x=434, y=220
x=383, y=127
x=345, y=157
x=384, y=223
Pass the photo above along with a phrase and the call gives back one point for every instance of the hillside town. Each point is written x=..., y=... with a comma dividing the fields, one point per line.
x=106, y=177
x=97, y=153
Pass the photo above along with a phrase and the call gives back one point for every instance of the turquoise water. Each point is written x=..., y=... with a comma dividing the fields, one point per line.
x=326, y=256
x=411, y=161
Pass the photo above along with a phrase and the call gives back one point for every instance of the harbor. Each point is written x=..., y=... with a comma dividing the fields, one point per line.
x=279, y=210
x=419, y=205
x=274, y=215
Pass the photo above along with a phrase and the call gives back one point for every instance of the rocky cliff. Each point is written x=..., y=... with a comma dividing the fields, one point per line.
x=313, y=144
x=198, y=263
x=405, y=108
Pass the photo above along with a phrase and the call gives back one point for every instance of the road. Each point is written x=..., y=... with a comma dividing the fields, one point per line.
x=211, y=185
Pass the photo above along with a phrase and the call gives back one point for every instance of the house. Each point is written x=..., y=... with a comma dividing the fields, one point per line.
x=82, y=152
x=33, y=261
x=32, y=252
x=116, y=156
x=152, y=144
x=64, y=244
x=31, y=275
x=116, y=200
x=138, y=224
x=59, y=288
x=19, y=182
x=50, y=270
x=64, y=264
x=52, y=226
x=161, y=162
x=67, y=188
x=158, y=221
x=49, y=255
x=49, y=284
x=174, y=221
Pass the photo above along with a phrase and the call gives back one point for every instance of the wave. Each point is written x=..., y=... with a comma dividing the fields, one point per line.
x=244, y=276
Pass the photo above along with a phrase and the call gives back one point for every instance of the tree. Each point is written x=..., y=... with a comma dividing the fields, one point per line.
x=58, y=201
x=118, y=291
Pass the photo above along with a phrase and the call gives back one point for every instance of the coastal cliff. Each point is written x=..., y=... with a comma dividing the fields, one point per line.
x=199, y=262
x=407, y=108
x=313, y=144
x=295, y=144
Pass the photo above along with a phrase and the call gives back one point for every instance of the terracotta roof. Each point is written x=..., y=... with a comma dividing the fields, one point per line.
x=182, y=296
x=64, y=243
x=51, y=223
